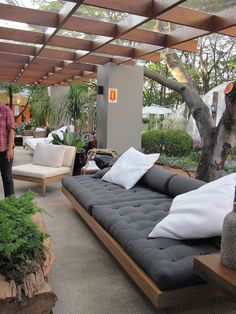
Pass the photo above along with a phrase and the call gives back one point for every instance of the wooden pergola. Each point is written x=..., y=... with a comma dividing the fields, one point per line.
x=52, y=58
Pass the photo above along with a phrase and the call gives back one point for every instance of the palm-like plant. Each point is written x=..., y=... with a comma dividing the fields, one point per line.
x=73, y=107
x=69, y=139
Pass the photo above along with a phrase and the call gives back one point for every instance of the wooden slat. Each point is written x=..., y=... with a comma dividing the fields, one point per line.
x=184, y=34
x=28, y=16
x=231, y=31
x=57, y=54
x=72, y=43
x=89, y=26
x=147, y=8
x=20, y=49
x=5, y=65
x=14, y=58
x=19, y=35
x=144, y=36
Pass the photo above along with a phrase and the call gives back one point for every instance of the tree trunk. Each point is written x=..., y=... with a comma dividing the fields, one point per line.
x=10, y=96
x=217, y=141
x=77, y=125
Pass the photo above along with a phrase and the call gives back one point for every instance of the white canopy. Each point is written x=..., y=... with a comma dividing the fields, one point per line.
x=155, y=109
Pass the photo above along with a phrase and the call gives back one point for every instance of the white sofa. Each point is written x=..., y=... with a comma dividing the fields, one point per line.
x=30, y=143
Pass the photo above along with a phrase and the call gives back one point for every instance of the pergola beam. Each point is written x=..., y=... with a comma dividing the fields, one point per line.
x=63, y=16
x=47, y=55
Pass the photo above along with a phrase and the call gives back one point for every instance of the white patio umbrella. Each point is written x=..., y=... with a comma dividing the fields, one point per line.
x=155, y=109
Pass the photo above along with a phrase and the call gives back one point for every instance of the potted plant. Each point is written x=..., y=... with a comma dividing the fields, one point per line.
x=25, y=257
x=71, y=139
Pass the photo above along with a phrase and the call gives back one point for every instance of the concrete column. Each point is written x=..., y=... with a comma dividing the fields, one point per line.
x=119, y=123
x=57, y=92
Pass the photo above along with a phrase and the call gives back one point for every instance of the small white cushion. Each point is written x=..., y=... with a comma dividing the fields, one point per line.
x=49, y=155
x=59, y=132
x=38, y=129
x=37, y=171
x=69, y=156
x=199, y=213
x=130, y=167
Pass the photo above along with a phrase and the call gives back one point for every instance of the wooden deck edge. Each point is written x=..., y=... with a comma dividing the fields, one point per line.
x=192, y=296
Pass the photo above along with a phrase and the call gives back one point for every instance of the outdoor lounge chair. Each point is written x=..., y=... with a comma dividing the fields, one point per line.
x=50, y=163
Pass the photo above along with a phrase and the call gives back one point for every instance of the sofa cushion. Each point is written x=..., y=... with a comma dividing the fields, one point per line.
x=157, y=179
x=130, y=167
x=49, y=155
x=180, y=184
x=168, y=262
x=69, y=156
x=101, y=173
x=199, y=213
x=90, y=191
x=38, y=171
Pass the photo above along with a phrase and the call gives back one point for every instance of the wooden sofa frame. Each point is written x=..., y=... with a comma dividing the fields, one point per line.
x=172, y=300
x=41, y=181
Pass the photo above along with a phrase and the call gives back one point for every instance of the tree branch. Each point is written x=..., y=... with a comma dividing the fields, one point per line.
x=163, y=80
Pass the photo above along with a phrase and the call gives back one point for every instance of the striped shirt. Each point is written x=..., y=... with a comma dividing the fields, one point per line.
x=7, y=122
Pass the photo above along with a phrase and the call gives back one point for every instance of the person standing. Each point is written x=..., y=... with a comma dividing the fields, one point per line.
x=7, y=135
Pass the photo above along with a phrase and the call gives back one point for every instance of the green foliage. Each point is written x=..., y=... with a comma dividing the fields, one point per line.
x=41, y=108
x=177, y=143
x=177, y=162
x=69, y=139
x=152, y=141
x=154, y=93
x=21, y=242
x=171, y=142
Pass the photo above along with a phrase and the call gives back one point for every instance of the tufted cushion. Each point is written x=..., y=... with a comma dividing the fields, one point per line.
x=180, y=184
x=101, y=173
x=91, y=191
x=157, y=179
x=169, y=262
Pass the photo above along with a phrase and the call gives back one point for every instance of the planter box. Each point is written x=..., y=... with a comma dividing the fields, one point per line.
x=28, y=133
x=34, y=295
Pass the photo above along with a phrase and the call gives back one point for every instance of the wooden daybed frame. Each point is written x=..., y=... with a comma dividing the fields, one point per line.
x=172, y=300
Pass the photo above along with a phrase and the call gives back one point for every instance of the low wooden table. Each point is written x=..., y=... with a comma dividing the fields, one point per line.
x=209, y=268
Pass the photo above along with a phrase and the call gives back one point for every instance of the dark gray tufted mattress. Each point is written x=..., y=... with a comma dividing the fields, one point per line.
x=90, y=191
x=129, y=216
x=168, y=262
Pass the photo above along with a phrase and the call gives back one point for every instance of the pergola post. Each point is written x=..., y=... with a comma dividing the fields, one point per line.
x=119, y=113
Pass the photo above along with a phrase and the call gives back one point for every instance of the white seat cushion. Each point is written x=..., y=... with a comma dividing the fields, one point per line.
x=37, y=171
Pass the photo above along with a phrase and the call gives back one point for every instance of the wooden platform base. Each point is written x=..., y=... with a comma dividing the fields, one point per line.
x=173, y=300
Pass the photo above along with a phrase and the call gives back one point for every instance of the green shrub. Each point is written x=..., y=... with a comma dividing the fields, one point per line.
x=21, y=242
x=232, y=154
x=177, y=143
x=152, y=141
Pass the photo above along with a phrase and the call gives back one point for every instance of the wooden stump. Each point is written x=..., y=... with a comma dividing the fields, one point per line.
x=34, y=295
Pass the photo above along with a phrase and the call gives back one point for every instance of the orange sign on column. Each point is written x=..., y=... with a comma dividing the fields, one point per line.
x=112, y=95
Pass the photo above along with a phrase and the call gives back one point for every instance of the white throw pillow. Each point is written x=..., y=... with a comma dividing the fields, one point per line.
x=49, y=155
x=130, y=167
x=199, y=213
